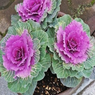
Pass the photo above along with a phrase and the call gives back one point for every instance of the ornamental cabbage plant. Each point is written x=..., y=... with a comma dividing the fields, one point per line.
x=19, y=54
x=72, y=43
x=23, y=57
x=41, y=11
x=73, y=50
x=33, y=9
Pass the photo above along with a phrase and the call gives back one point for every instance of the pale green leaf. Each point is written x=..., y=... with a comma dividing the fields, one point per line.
x=40, y=76
x=85, y=26
x=50, y=17
x=14, y=19
x=63, y=21
x=61, y=71
x=51, y=32
x=90, y=62
x=87, y=72
x=20, y=85
x=41, y=35
x=70, y=81
x=45, y=64
x=35, y=69
x=8, y=75
x=42, y=51
x=51, y=69
x=36, y=46
x=34, y=25
x=31, y=88
x=53, y=6
x=1, y=59
x=58, y=68
x=11, y=31
x=52, y=14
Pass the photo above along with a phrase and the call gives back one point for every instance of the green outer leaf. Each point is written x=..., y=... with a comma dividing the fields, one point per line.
x=51, y=32
x=78, y=67
x=14, y=19
x=20, y=85
x=44, y=24
x=58, y=68
x=51, y=35
x=41, y=40
x=34, y=25
x=40, y=76
x=41, y=35
x=51, y=15
x=11, y=31
x=1, y=60
x=35, y=69
x=51, y=44
x=29, y=25
x=71, y=81
x=85, y=26
x=36, y=46
x=65, y=70
x=51, y=69
x=45, y=64
x=43, y=51
x=53, y=6
x=91, y=51
x=62, y=21
x=90, y=63
x=87, y=72
x=31, y=88
x=8, y=75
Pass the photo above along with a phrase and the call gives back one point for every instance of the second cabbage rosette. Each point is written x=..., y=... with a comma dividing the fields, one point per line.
x=41, y=11
x=72, y=50
x=23, y=56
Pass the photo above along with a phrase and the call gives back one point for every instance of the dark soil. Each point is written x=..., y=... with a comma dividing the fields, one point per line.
x=50, y=85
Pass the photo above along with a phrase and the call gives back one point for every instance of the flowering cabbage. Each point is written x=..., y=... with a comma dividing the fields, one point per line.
x=72, y=43
x=73, y=50
x=23, y=56
x=33, y=9
x=41, y=11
